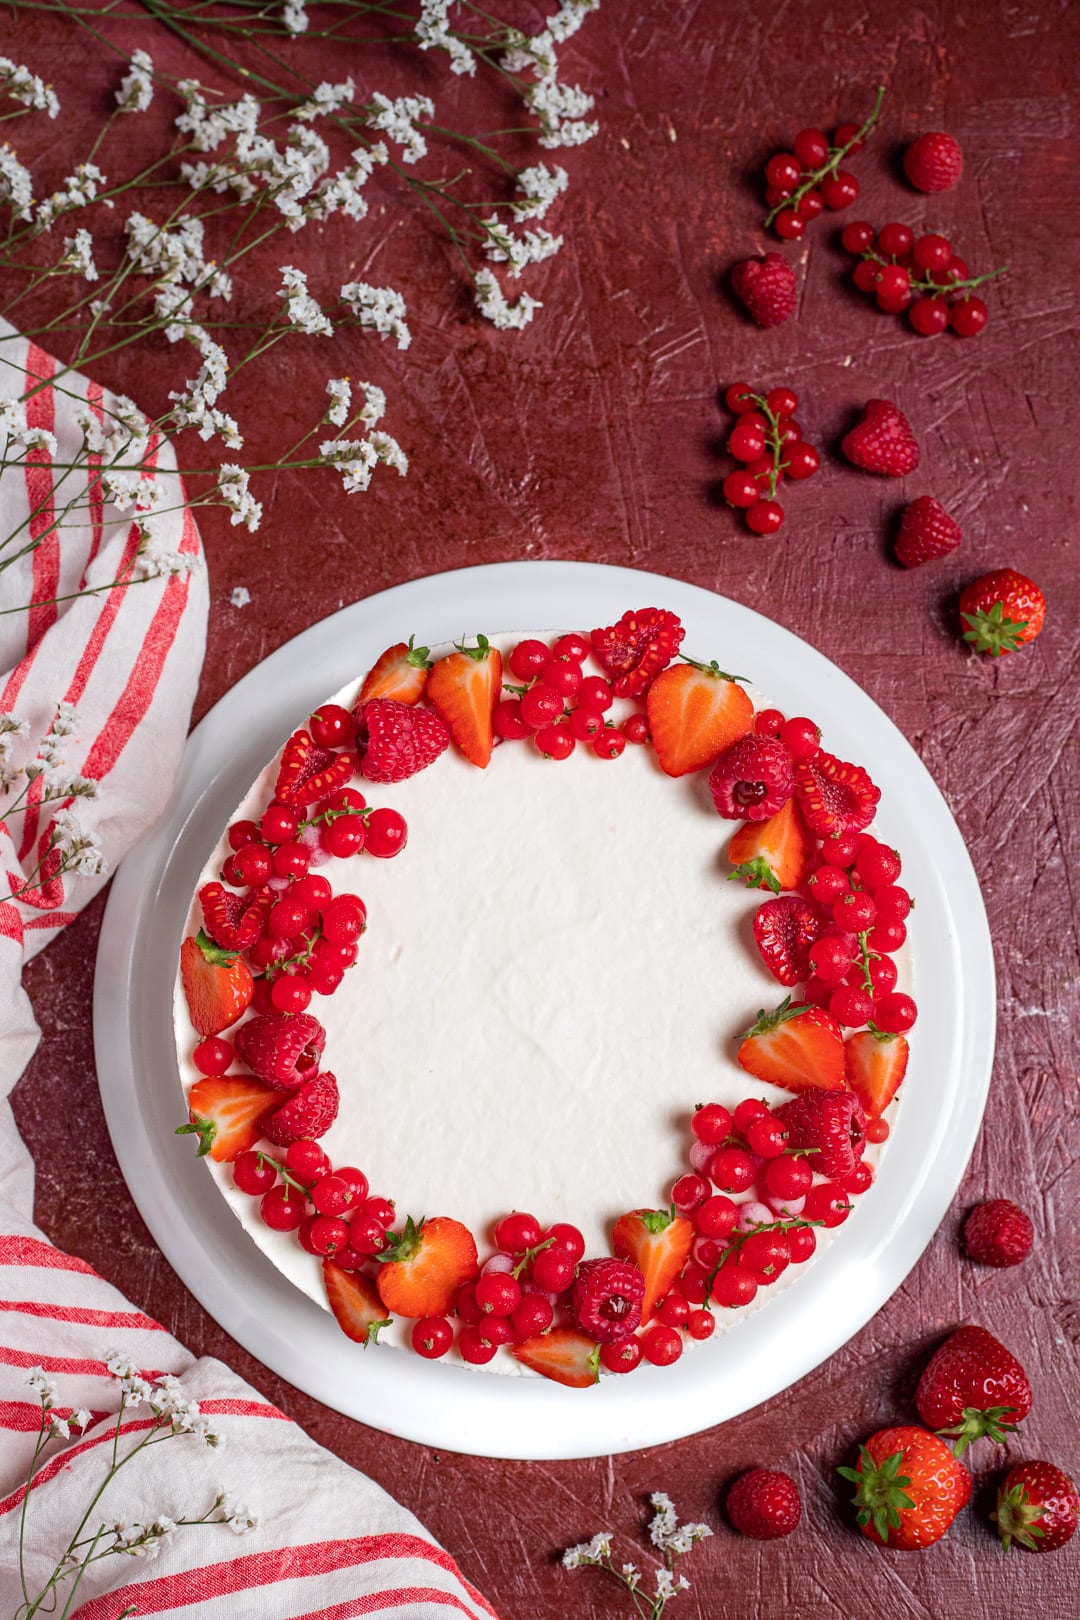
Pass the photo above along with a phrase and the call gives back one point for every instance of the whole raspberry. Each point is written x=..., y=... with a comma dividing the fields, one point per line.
x=883, y=441
x=832, y=1123
x=283, y=1049
x=934, y=162
x=998, y=1233
x=398, y=739
x=926, y=531
x=764, y=1504
x=309, y=1112
x=766, y=287
x=752, y=779
x=606, y=1301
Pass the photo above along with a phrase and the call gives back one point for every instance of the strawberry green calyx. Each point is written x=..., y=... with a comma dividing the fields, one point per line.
x=593, y=1364
x=374, y=1329
x=978, y=1425
x=477, y=653
x=756, y=874
x=1017, y=1518
x=216, y=955
x=657, y=1220
x=205, y=1129
x=407, y=1243
x=768, y=1021
x=883, y=1037
x=880, y=1496
x=418, y=657
x=991, y=632
x=713, y=668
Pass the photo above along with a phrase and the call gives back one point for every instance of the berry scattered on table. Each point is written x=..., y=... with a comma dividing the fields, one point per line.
x=973, y=1387
x=1001, y=611
x=637, y=648
x=998, y=1233
x=607, y=1299
x=934, y=162
x=399, y=674
x=764, y=1504
x=882, y=442
x=395, y=740
x=801, y=183
x=464, y=688
x=926, y=533
x=1037, y=1507
x=908, y=1487
x=694, y=711
x=217, y=987
x=768, y=441
x=766, y=288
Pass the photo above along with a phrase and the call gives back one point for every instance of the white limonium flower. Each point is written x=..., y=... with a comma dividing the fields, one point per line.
x=669, y=1585
x=12, y=418
x=433, y=32
x=569, y=18
x=539, y=187
x=237, y=1515
x=136, y=90
x=16, y=184
x=356, y=459
x=535, y=55
x=379, y=308
x=340, y=391
x=295, y=17
x=233, y=488
x=77, y=191
x=492, y=303
x=389, y=452
x=342, y=193
x=80, y=849
x=46, y=1389
x=301, y=309
x=39, y=438
x=79, y=255
x=327, y=98
x=22, y=85
x=398, y=119
x=561, y=109
x=208, y=126
x=374, y=406
x=588, y=1552
x=518, y=251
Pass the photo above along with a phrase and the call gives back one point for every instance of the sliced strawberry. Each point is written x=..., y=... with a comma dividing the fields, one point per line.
x=835, y=797
x=875, y=1066
x=784, y=930
x=773, y=854
x=356, y=1304
x=309, y=1112
x=226, y=1114
x=217, y=984
x=657, y=1241
x=795, y=1047
x=234, y=921
x=695, y=712
x=464, y=688
x=563, y=1354
x=398, y=739
x=400, y=673
x=637, y=648
x=424, y=1264
x=282, y=1048
x=308, y=772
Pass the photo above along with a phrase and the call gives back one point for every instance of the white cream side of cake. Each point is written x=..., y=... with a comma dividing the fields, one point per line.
x=555, y=971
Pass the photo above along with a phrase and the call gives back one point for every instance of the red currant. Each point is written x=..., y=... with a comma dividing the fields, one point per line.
x=740, y=489
x=290, y=993
x=733, y=1286
x=855, y=911
x=857, y=236
x=379, y=1209
x=355, y=1179
x=877, y=864
x=746, y=1112
x=540, y=705
x=932, y=252
x=553, y=1270
x=564, y=676
x=789, y=226
x=747, y=440
x=739, y=398
x=839, y=190
x=694, y=1283
x=242, y=833
x=573, y=645
x=465, y=1304
x=609, y=744
x=282, y=1209
x=711, y=1124
x=716, y=1217
x=732, y=1169
x=865, y=275
x=661, y=1345
x=333, y=727
x=844, y=135
x=809, y=205
x=788, y=1177
x=767, y=723
x=566, y=1239
x=497, y=1293
x=877, y=1130
x=886, y=937
x=213, y=1055
x=278, y=824
x=555, y=742
x=305, y=1158
x=387, y=833
x=636, y=728
x=432, y=1337
x=811, y=147
x=765, y=517
x=766, y=1136
x=968, y=316
x=893, y=903
x=289, y=918
x=783, y=171
x=929, y=316
x=688, y=1192
x=859, y=1179
x=323, y=1234
x=827, y=1203
x=508, y=721
x=882, y=971
x=516, y=1232
x=801, y=460
x=802, y=1241
x=343, y=837
x=332, y=1195
x=253, y=864
x=528, y=659
x=367, y=1235
x=595, y=694
x=252, y=1174
x=895, y=1013
x=765, y=1255
x=531, y=1315
x=831, y=957
x=622, y=1357
x=895, y=240
x=782, y=401
x=851, y=1006
x=801, y=737
x=344, y=919
x=476, y=1345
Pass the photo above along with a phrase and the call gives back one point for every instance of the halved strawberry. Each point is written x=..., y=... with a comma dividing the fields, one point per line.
x=398, y=739
x=464, y=688
x=658, y=1242
x=637, y=648
x=695, y=712
x=424, y=1264
x=795, y=1047
x=875, y=1065
x=308, y=772
x=227, y=1114
x=399, y=673
x=563, y=1354
x=356, y=1304
x=835, y=797
x=773, y=854
x=217, y=983
x=234, y=921
x=784, y=931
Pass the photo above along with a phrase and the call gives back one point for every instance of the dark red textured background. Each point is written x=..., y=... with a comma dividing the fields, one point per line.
x=594, y=435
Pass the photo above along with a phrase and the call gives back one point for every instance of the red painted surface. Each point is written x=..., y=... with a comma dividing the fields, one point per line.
x=594, y=435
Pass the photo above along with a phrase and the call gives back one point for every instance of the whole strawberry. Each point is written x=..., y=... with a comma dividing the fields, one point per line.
x=934, y=162
x=766, y=288
x=999, y=1233
x=1037, y=1507
x=607, y=1299
x=832, y=1124
x=926, y=532
x=972, y=1386
x=882, y=442
x=1001, y=611
x=764, y=1504
x=398, y=739
x=908, y=1487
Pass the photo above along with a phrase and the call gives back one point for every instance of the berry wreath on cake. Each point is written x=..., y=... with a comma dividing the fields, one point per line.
x=616, y=856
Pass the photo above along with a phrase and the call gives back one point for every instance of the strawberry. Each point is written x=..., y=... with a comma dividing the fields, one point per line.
x=309, y=1112
x=400, y=673
x=464, y=688
x=227, y=1115
x=834, y=797
x=972, y=1386
x=926, y=532
x=764, y=1504
x=396, y=740
x=784, y=931
x=1037, y=1507
x=563, y=1354
x=882, y=442
x=356, y=1304
x=308, y=772
x=832, y=1124
x=795, y=1047
x=217, y=984
x=695, y=711
x=999, y=1233
x=773, y=854
x=766, y=288
x=1001, y=611
x=637, y=648
x=234, y=921
x=282, y=1048
x=909, y=1487
x=658, y=1242
x=422, y=1266
x=875, y=1066
x=934, y=162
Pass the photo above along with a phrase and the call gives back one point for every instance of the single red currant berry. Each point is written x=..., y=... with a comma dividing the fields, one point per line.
x=609, y=744
x=688, y=1192
x=877, y=864
x=855, y=911
x=387, y=833
x=840, y=848
x=694, y=1283
x=857, y=236
x=380, y=1209
x=517, y=1232
x=508, y=722
x=290, y=993
x=465, y=1304
x=528, y=659
x=776, y=194
x=827, y=1203
x=886, y=937
x=355, y=1180
x=432, y=1337
x=314, y=891
x=865, y=275
x=332, y=1195
x=844, y=135
x=882, y=970
x=213, y=1055
x=333, y=727
x=895, y=1013
x=746, y=1112
x=739, y=398
x=635, y=728
x=566, y=1239
x=782, y=401
x=809, y=205
x=859, y=1179
x=877, y=1130
x=740, y=489
x=540, y=705
x=242, y=833
x=583, y=724
x=289, y=918
x=575, y=644
x=839, y=190
x=783, y=171
x=343, y=799
x=282, y=1209
x=324, y=1234
x=732, y=1169
x=595, y=694
x=252, y=1174
x=893, y=903
x=531, y=1315
x=895, y=240
x=932, y=252
x=661, y=1345
x=765, y=1255
x=802, y=1241
x=476, y=1345
x=801, y=460
x=553, y=1270
x=305, y=1159
x=278, y=824
x=564, y=676
x=747, y=440
x=956, y=270
x=890, y=305
x=497, y=1293
x=253, y=864
x=831, y=957
x=789, y=226
x=673, y=1310
x=788, y=1177
x=851, y=1006
x=765, y=517
x=766, y=1136
x=816, y=991
x=716, y=1217
x=344, y=919
x=291, y=860
x=555, y=742
x=811, y=148
x=701, y=1324
x=344, y=837
x=968, y=316
x=733, y=1286
x=929, y=316
x=711, y=1124
x=622, y=1357
x=801, y=737
x=767, y=723
x=893, y=282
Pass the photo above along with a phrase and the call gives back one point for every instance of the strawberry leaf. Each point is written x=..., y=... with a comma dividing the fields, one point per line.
x=756, y=874
x=205, y=1129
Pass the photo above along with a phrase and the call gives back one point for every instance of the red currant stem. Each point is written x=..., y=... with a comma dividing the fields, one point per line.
x=739, y=1238
x=530, y=1255
x=518, y=691
x=866, y=953
x=836, y=156
x=927, y=285
x=301, y=959
x=271, y=1163
x=328, y=816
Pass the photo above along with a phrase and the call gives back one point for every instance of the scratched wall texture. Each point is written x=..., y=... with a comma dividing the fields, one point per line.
x=593, y=435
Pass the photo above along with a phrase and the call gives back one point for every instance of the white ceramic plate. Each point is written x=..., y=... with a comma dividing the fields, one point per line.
x=452, y=1407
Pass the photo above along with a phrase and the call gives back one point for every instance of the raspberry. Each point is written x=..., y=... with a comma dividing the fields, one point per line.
x=926, y=531
x=309, y=1112
x=764, y=1504
x=637, y=649
x=784, y=931
x=282, y=1049
x=832, y=1123
x=752, y=779
x=998, y=1234
x=606, y=1300
x=397, y=739
x=766, y=288
x=234, y=921
x=934, y=162
x=882, y=442
x=834, y=797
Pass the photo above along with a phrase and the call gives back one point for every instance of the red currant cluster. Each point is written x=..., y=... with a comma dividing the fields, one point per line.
x=919, y=274
x=330, y=1210
x=803, y=182
x=559, y=706
x=769, y=442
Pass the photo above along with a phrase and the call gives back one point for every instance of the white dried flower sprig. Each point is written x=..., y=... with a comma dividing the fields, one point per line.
x=492, y=303
x=21, y=85
x=668, y=1536
x=136, y=90
x=433, y=32
x=380, y=309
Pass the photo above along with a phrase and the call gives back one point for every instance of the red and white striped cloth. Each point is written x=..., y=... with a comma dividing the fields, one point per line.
x=329, y=1542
